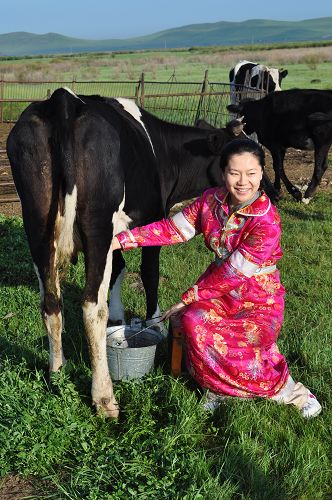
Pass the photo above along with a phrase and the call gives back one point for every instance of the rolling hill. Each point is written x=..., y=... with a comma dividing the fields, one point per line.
x=220, y=33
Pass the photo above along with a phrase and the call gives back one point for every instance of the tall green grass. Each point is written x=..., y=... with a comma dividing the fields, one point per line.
x=164, y=445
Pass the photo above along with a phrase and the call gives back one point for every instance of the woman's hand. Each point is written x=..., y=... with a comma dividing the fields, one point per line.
x=116, y=244
x=173, y=310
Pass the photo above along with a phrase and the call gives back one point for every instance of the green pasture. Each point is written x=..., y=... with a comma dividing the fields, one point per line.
x=305, y=62
x=165, y=446
x=165, y=72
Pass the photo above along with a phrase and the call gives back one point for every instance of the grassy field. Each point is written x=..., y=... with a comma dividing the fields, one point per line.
x=304, y=64
x=180, y=70
x=164, y=446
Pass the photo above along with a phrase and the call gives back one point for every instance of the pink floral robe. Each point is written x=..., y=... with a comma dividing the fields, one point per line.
x=235, y=309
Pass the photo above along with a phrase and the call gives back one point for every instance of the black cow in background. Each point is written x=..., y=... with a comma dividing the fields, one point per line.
x=298, y=118
x=85, y=168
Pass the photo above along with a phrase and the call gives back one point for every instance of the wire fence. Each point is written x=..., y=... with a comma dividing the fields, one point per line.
x=179, y=102
x=173, y=101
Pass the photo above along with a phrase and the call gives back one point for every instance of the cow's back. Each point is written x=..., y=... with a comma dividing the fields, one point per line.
x=44, y=152
x=304, y=101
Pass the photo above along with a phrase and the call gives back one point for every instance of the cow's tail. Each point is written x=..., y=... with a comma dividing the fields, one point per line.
x=64, y=107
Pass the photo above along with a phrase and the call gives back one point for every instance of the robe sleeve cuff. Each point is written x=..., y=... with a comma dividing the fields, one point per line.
x=183, y=226
x=191, y=295
x=127, y=240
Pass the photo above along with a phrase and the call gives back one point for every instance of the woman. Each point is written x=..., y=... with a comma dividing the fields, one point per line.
x=231, y=317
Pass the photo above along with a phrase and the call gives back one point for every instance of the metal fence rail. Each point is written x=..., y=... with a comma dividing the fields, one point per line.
x=181, y=102
x=177, y=102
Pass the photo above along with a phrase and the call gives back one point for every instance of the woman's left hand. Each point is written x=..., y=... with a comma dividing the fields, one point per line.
x=173, y=310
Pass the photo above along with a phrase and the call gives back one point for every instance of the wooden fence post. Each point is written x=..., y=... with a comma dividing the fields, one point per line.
x=137, y=93
x=142, y=90
x=1, y=99
x=202, y=100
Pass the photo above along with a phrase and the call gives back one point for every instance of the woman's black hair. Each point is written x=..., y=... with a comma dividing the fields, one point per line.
x=239, y=146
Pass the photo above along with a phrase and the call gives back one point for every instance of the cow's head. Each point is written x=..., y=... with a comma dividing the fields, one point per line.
x=239, y=109
x=219, y=137
x=273, y=77
x=235, y=127
x=265, y=78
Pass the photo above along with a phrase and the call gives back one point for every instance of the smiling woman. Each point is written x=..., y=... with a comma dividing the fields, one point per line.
x=231, y=317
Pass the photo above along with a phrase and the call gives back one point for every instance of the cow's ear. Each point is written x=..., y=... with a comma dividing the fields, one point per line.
x=238, y=129
x=235, y=127
x=283, y=73
x=215, y=143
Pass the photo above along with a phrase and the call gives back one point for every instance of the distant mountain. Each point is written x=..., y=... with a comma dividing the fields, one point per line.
x=221, y=33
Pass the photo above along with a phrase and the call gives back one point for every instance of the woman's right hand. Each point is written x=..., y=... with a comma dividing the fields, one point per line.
x=173, y=310
x=116, y=244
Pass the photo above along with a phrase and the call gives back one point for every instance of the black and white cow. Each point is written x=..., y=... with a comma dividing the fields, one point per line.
x=256, y=76
x=297, y=118
x=85, y=168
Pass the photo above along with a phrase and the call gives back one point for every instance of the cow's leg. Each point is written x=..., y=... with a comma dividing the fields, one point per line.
x=269, y=188
x=37, y=183
x=39, y=211
x=150, y=279
x=321, y=164
x=278, y=156
x=98, y=268
x=44, y=251
x=115, y=309
x=51, y=309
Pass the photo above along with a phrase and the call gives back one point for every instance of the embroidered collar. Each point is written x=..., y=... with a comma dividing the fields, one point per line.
x=258, y=207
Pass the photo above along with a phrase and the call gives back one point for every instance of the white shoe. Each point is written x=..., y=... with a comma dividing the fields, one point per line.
x=312, y=408
x=298, y=395
x=211, y=405
x=212, y=401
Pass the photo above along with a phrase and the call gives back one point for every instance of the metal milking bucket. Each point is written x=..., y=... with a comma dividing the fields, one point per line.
x=131, y=350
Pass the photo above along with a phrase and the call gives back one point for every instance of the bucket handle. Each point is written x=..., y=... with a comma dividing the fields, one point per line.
x=119, y=342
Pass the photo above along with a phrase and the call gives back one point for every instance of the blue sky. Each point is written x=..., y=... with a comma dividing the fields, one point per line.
x=101, y=19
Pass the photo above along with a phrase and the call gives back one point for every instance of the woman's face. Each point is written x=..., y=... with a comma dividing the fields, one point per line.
x=243, y=175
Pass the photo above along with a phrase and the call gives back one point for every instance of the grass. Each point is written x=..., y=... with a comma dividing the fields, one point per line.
x=164, y=446
x=304, y=64
x=117, y=74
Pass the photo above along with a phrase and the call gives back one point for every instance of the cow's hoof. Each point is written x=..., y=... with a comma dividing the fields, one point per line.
x=296, y=193
x=306, y=201
x=108, y=408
